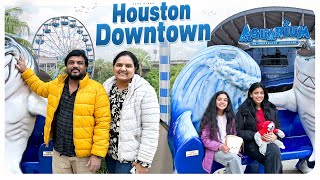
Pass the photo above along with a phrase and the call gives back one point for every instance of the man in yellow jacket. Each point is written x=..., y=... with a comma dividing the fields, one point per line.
x=78, y=115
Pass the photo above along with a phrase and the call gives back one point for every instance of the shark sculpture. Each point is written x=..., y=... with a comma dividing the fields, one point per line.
x=301, y=98
x=21, y=105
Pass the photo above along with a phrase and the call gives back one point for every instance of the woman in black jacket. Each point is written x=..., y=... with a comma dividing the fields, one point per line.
x=251, y=114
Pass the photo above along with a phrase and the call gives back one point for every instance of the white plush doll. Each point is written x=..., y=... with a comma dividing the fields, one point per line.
x=267, y=127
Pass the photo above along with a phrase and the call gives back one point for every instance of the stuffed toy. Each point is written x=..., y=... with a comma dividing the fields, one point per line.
x=267, y=127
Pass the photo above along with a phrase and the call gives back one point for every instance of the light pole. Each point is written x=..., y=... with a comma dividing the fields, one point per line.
x=155, y=54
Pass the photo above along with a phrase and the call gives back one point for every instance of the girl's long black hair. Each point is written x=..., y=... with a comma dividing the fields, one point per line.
x=210, y=115
x=265, y=105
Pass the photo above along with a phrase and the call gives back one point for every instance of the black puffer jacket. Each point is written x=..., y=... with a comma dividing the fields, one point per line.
x=246, y=124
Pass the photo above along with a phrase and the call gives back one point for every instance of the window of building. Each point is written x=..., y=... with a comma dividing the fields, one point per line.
x=274, y=60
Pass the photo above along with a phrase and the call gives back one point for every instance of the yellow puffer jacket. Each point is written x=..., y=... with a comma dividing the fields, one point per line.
x=91, y=114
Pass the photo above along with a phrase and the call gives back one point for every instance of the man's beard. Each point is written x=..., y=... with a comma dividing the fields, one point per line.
x=76, y=77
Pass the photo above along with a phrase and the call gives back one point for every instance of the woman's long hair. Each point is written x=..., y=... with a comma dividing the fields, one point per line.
x=265, y=104
x=210, y=115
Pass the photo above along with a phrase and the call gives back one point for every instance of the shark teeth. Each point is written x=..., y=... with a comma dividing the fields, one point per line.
x=306, y=80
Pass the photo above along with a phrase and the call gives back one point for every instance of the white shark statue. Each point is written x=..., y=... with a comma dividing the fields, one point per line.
x=21, y=105
x=301, y=98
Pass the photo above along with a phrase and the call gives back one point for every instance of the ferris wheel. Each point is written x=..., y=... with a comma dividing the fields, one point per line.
x=55, y=38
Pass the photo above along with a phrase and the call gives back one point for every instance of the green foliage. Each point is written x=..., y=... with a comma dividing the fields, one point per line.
x=143, y=58
x=175, y=70
x=153, y=76
x=16, y=27
x=102, y=70
x=12, y=23
x=24, y=42
x=103, y=168
x=61, y=69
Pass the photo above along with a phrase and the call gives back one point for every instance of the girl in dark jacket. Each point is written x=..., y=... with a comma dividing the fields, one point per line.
x=218, y=121
x=255, y=110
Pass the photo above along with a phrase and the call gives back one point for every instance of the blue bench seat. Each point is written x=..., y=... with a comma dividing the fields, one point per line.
x=188, y=151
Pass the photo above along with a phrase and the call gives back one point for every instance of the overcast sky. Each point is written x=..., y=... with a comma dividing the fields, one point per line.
x=93, y=12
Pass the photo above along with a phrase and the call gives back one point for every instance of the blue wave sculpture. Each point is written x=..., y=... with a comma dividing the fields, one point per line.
x=212, y=69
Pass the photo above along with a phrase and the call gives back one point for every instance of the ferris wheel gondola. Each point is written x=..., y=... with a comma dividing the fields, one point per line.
x=55, y=38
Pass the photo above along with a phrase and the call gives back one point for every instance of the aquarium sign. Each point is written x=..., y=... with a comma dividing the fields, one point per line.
x=284, y=36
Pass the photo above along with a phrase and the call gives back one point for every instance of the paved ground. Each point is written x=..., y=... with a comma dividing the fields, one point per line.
x=288, y=167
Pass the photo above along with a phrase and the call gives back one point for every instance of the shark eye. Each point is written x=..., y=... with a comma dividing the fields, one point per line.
x=7, y=42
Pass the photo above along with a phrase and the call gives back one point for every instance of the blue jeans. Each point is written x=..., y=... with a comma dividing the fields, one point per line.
x=116, y=167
